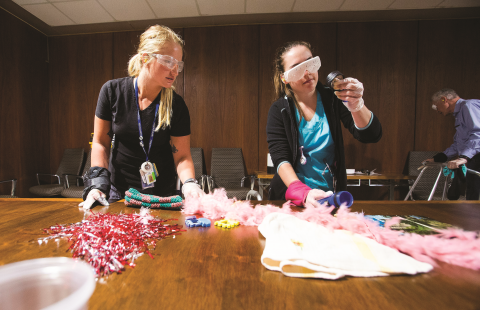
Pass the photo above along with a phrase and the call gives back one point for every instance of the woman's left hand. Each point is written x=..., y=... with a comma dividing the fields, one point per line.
x=315, y=195
x=350, y=91
x=192, y=190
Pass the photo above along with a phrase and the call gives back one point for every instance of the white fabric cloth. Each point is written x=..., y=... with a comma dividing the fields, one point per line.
x=298, y=248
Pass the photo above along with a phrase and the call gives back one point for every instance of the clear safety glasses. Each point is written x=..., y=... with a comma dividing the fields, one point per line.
x=296, y=73
x=168, y=61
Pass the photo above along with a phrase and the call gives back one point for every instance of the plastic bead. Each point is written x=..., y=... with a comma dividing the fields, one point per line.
x=227, y=223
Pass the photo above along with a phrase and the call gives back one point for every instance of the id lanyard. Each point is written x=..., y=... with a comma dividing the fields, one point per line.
x=140, y=123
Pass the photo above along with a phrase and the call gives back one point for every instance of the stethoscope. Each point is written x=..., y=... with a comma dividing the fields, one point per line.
x=303, y=161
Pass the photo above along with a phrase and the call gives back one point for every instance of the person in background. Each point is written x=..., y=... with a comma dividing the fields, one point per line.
x=151, y=124
x=303, y=128
x=466, y=141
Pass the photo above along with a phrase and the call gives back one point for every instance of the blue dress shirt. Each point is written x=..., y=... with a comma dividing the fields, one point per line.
x=466, y=141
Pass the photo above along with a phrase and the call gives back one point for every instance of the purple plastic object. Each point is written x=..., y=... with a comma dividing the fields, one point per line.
x=192, y=221
x=338, y=199
x=204, y=222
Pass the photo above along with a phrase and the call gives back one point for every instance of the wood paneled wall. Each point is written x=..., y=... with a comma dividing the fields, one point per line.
x=227, y=84
x=221, y=89
x=448, y=57
x=383, y=56
x=24, y=118
x=79, y=66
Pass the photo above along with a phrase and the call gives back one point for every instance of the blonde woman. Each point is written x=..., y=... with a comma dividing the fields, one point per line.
x=151, y=124
x=304, y=131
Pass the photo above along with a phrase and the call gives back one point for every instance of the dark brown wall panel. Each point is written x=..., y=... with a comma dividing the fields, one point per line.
x=24, y=104
x=383, y=56
x=221, y=89
x=448, y=58
x=322, y=37
x=79, y=66
x=125, y=45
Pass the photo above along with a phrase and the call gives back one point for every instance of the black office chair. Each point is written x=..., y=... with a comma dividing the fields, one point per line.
x=12, y=192
x=71, y=163
x=228, y=171
x=200, y=169
x=75, y=190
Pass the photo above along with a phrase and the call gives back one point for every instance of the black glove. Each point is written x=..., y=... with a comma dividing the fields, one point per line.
x=96, y=178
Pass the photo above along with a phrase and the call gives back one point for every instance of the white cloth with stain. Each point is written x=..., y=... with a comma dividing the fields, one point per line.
x=298, y=248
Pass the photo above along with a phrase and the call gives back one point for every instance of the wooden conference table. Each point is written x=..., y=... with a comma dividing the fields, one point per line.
x=264, y=180
x=215, y=268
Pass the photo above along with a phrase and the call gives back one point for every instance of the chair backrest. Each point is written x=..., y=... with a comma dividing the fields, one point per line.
x=71, y=163
x=228, y=167
x=198, y=162
x=425, y=185
x=12, y=191
x=88, y=162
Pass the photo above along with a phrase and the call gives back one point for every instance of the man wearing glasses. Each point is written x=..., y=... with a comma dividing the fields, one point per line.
x=466, y=142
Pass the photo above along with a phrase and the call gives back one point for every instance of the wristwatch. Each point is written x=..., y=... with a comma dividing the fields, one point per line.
x=191, y=180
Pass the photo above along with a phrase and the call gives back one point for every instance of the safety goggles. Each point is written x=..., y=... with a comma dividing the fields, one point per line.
x=168, y=61
x=297, y=72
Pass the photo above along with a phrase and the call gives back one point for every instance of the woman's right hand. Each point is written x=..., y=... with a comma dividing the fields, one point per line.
x=192, y=190
x=94, y=195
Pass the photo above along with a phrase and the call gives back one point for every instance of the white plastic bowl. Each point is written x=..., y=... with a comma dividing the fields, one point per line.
x=46, y=283
x=350, y=171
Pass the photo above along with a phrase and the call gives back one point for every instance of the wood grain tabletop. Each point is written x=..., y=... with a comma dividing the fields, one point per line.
x=215, y=268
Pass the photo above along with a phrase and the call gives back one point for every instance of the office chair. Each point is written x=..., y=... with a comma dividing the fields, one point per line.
x=71, y=163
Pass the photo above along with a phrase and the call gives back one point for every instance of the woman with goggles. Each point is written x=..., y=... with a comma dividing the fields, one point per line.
x=304, y=127
x=151, y=125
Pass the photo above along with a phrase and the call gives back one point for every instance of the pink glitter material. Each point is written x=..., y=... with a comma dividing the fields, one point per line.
x=453, y=246
x=109, y=242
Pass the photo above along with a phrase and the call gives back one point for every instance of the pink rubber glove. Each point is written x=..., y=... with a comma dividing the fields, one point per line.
x=297, y=192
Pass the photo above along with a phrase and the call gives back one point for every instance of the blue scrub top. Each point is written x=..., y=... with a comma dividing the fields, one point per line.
x=317, y=142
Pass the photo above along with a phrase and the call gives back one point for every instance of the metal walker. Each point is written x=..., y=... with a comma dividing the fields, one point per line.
x=426, y=165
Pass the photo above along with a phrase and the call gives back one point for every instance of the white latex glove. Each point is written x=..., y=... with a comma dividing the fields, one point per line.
x=316, y=194
x=192, y=190
x=350, y=91
x=94, y=195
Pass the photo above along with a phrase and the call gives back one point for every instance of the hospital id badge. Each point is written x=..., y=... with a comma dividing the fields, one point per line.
x=147, y=175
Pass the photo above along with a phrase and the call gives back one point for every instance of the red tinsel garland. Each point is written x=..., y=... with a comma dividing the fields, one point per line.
x=108, y=241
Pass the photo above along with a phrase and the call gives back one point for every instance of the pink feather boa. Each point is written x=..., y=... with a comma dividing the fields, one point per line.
x=453, y=246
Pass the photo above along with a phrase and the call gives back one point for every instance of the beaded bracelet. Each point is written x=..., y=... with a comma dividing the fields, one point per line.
x=167, y=206
x=134, y=197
